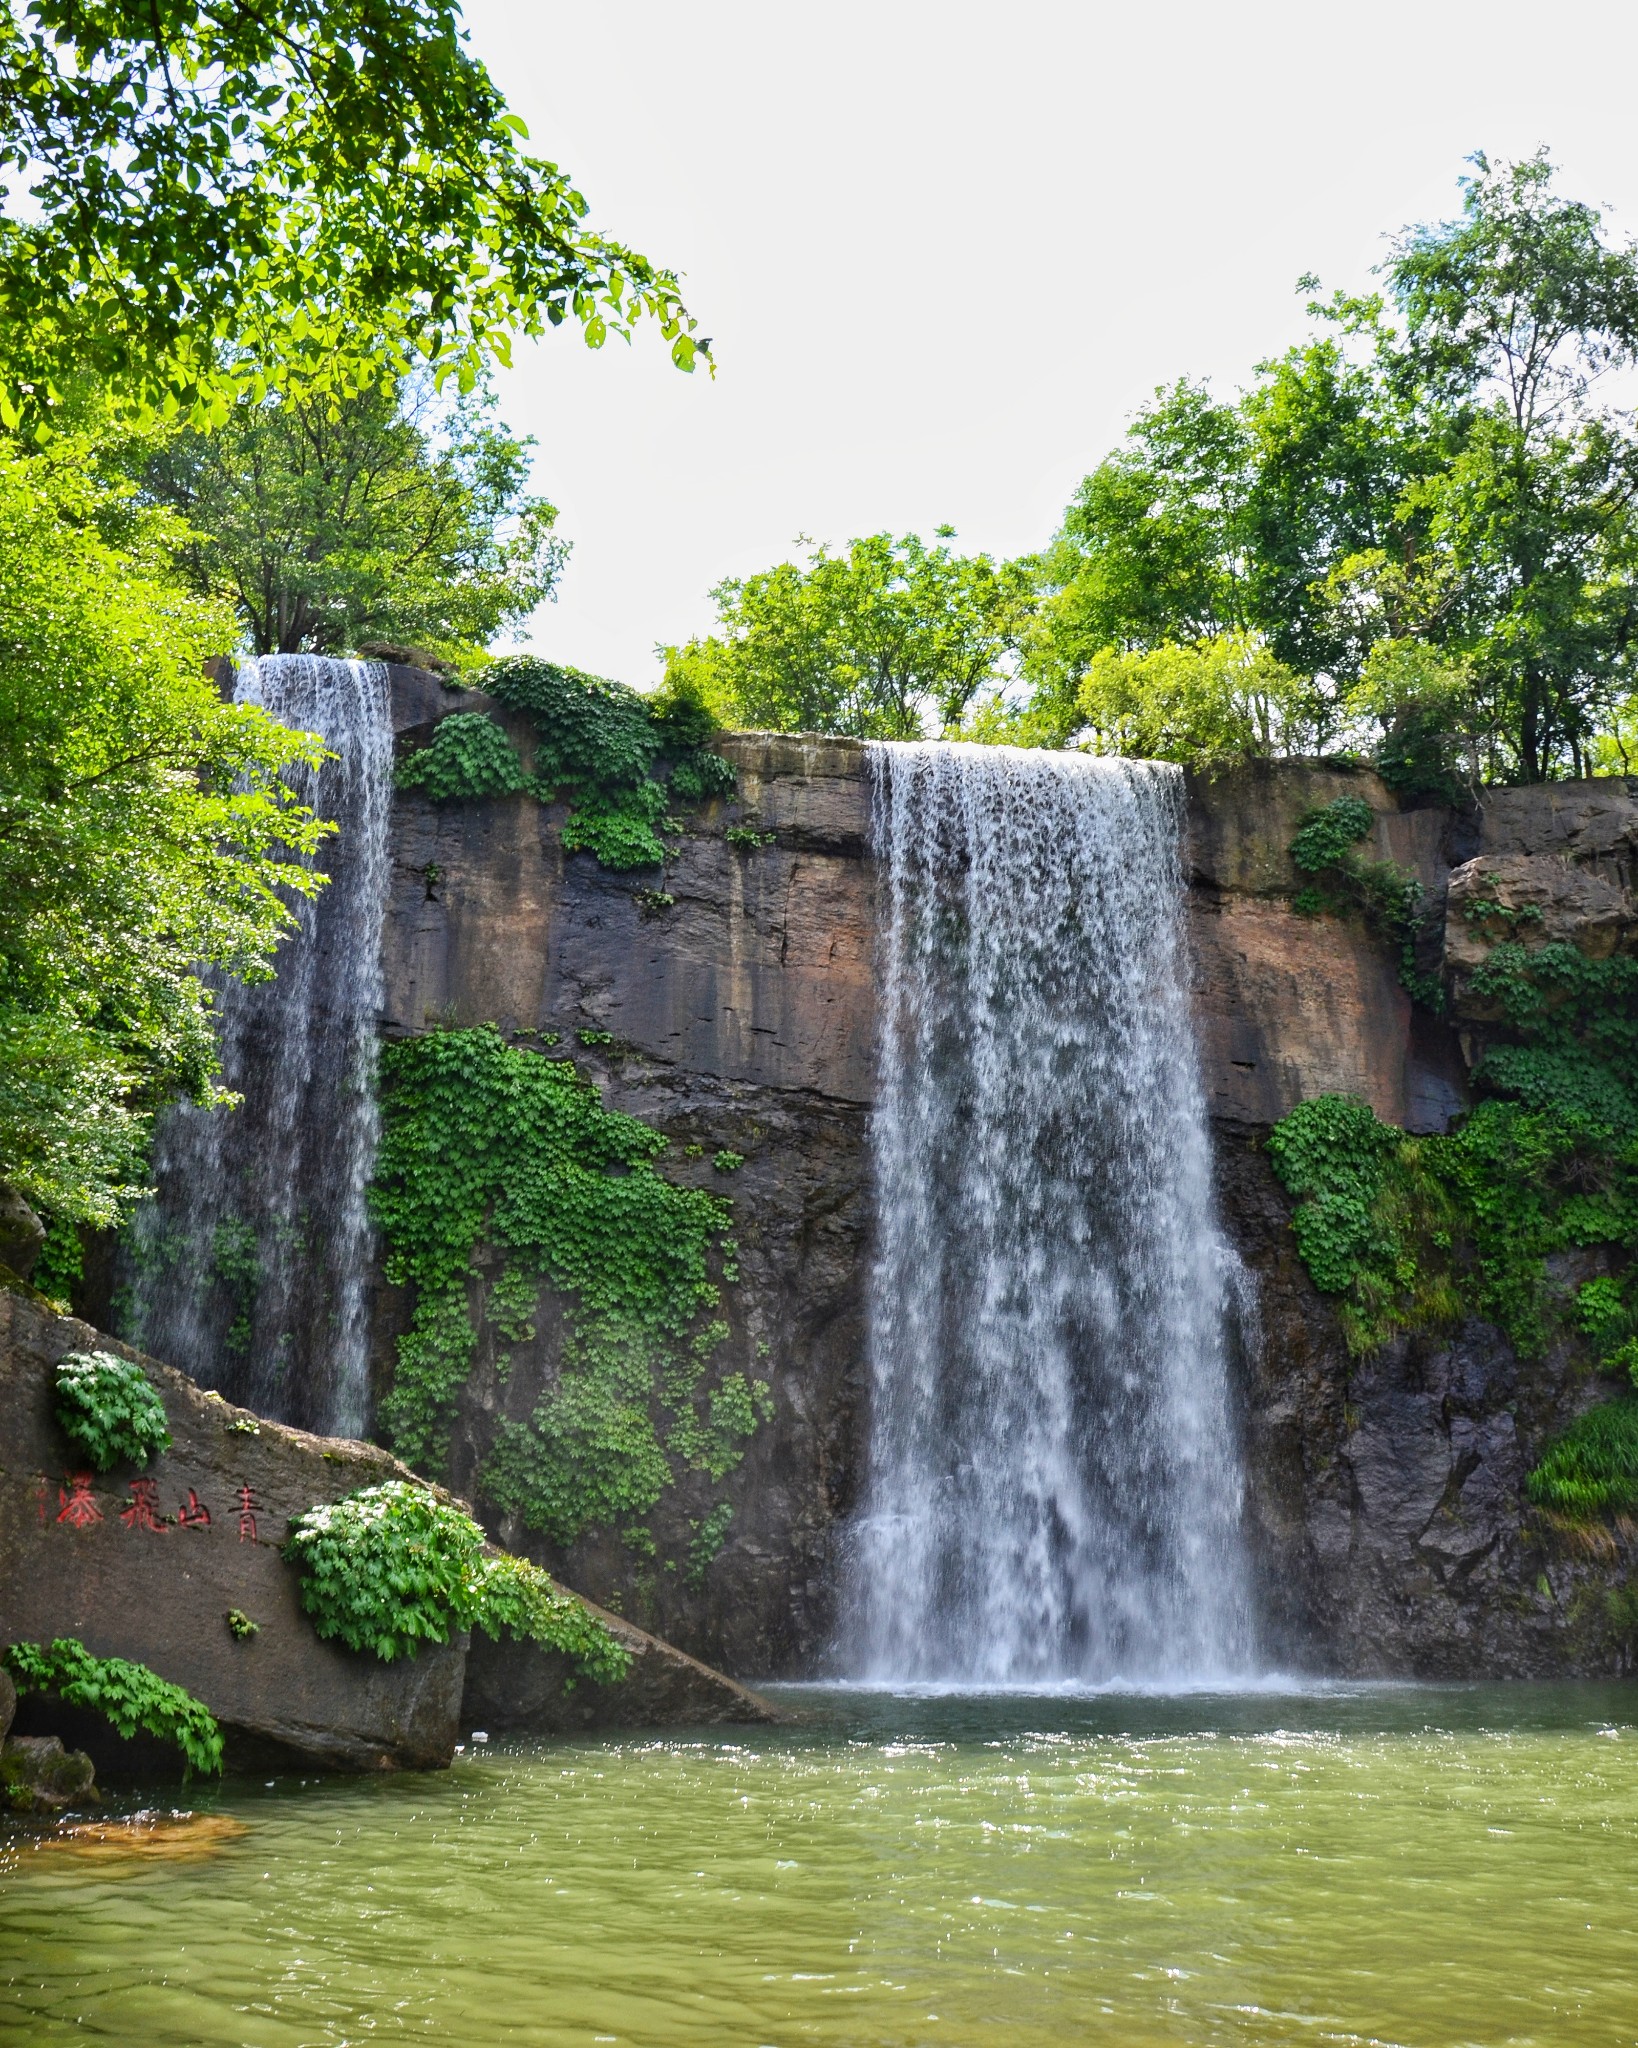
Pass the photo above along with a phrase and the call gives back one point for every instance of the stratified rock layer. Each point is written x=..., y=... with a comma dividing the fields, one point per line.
x=1386, y=1498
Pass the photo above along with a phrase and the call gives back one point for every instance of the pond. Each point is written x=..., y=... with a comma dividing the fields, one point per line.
x=1434, y=1867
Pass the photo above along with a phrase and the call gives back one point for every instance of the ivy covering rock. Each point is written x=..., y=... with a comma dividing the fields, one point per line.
x=1340, y=880
x=486, y=1142
x=132, y=1699
x=1419, y=1231
x=468, y=757
x=598, y=745
x=393, y=1566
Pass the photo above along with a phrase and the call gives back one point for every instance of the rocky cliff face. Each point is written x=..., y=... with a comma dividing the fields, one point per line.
x=1386, y=1502
x=1387, y=1494
x=736, y=1015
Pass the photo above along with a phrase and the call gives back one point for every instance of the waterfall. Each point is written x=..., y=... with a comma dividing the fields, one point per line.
x=1053, y=1491
x=249, y=1269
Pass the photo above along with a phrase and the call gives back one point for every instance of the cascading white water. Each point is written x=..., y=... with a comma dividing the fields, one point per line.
x=250, y=1268
x=1053, y=1491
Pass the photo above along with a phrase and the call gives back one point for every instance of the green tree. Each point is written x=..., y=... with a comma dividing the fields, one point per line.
x=1154, y=543
x=873, y=642
x=196, y=187
x=1512, y=316
x=397, y=517
x=1214, y=702
x=144, y=833
x=1440, y=468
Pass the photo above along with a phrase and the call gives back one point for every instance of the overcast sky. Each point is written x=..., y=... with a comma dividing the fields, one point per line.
x=945, y=251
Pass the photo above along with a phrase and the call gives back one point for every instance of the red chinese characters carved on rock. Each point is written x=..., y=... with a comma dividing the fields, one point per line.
x=141, y=1512
x=193, y=1513
x=77, y=1508
x=248, y=1504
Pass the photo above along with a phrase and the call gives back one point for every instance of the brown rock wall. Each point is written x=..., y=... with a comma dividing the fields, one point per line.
x=1386, y=1497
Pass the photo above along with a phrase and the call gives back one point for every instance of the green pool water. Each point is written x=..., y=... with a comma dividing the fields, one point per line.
x=1415, y=1866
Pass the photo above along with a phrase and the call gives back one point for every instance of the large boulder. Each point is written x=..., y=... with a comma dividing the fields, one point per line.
x=1537, y=899
x=1595, y=821
x=521, y=1687
x=37, y=1775
x=148, y=1564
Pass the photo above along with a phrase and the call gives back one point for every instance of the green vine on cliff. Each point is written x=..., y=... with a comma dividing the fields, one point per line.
x=1417, y=1231
x=483, y=1142
x=469, y=757
x=132, y=1699
x=393, y=1566
x=1392, y=902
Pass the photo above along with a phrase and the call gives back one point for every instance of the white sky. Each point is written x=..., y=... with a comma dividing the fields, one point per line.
x=945, y=251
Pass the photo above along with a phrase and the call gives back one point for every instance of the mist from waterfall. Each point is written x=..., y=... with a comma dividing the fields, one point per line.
x=1053, y=1492
x=250, y=1268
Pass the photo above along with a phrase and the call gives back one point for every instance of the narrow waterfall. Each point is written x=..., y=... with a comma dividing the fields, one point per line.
x=250, y=1267
x=1053, y=1492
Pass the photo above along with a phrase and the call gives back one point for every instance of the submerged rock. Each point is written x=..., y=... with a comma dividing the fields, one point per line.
x=183, y=1837
x=519, y=1686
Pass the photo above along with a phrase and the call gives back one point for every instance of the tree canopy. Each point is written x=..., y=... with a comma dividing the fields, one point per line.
x=198, y=188
x=874, y=641
x=1431, y=508
x=144, y=833
x=399, y=516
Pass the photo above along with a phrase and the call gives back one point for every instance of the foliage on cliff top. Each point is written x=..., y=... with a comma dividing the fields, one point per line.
x=597, y=746
x=392, y=1567
x=145, y=834
x=872, y=640
x=1419, y=1231
x=403, y=516
x=482, y=1141
x=1219, y=701
x=1424, y=508
x=130, y=1697
x=186, y=186
x=108, y=1408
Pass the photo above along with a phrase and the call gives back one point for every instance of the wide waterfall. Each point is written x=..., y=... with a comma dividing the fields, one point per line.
x=1053, y=1491
x=250, y=1268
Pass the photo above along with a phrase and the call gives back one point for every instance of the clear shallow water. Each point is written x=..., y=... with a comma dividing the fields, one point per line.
x=1418, y=1866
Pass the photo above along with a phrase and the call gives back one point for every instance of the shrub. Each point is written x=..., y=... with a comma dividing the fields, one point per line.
x=468, y=757
x=393, y=1567
x=130, y=1697
x=108, y=1408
